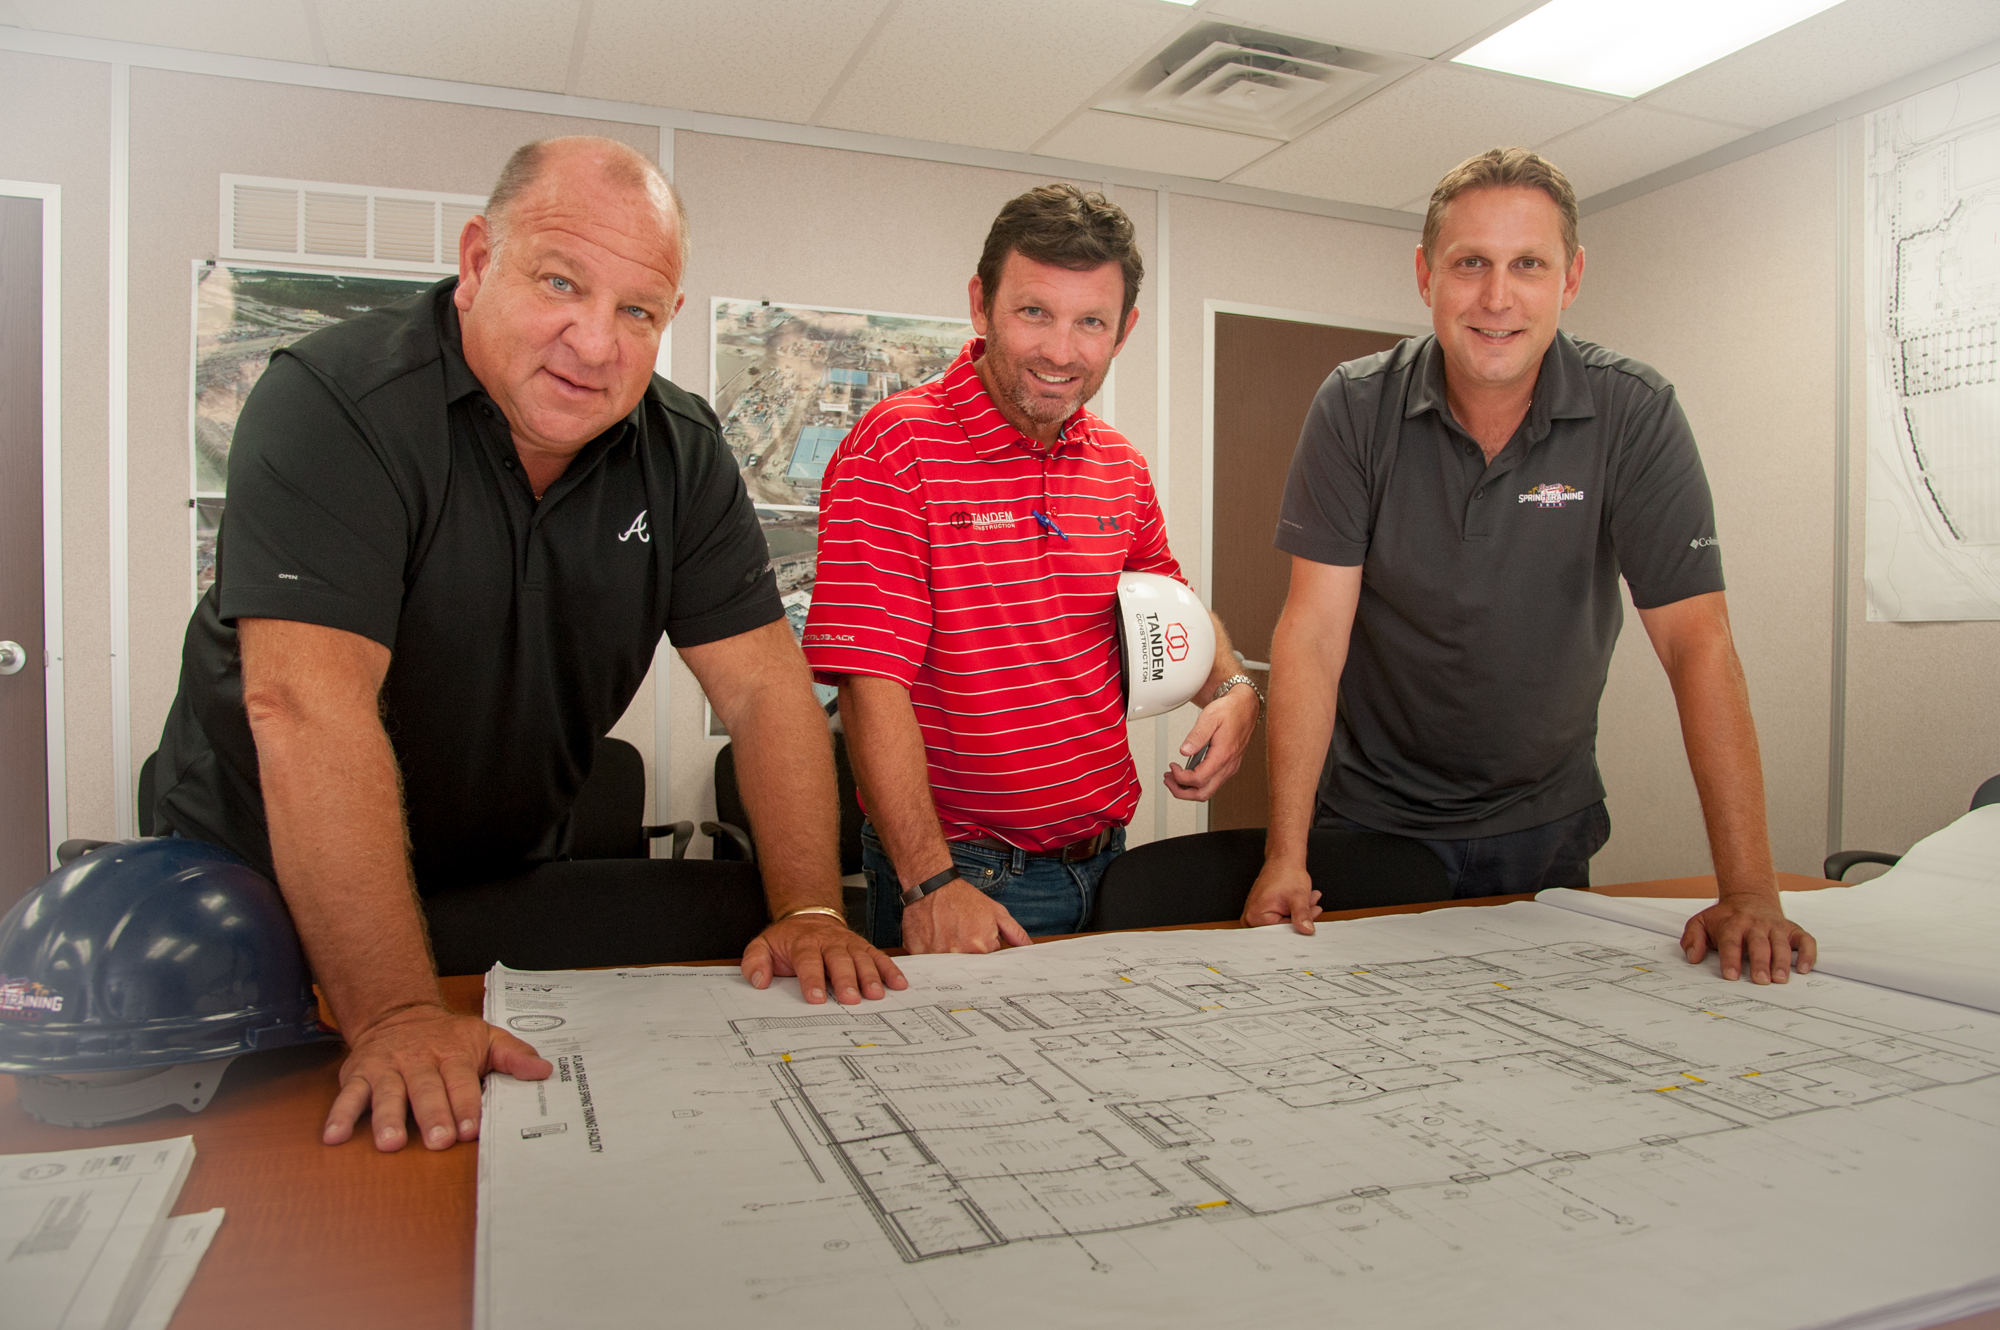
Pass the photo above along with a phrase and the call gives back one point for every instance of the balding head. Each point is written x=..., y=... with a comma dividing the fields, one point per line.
x=565, y=287
x=550, y=161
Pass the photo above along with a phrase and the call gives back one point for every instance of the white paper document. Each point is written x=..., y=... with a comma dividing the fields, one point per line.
x=1930, y=925
x=183, y=1244
x=1510, y=1116
x=79, y=1230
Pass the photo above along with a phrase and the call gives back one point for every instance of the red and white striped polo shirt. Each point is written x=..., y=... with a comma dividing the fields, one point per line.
x=935, y=572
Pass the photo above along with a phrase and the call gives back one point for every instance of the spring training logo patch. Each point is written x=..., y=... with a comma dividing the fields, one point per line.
x=1551, y=496
x=23, y=999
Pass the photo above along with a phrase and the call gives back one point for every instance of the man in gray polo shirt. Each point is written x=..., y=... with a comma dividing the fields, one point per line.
x=1458, y=514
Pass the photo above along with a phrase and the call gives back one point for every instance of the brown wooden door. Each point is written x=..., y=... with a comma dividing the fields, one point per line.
x=1266, y=373
x=24, y=791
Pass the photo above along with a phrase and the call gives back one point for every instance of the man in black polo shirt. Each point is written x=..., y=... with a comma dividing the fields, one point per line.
x=1458, y=514
x=457, y=529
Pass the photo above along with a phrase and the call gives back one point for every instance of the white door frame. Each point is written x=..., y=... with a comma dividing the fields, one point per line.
x=1209, y=309
x=52, y=583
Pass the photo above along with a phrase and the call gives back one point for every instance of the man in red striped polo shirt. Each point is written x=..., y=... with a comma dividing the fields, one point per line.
x=972, y=532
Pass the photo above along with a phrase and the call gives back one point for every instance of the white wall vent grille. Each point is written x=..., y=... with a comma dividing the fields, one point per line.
x=1227, y=76
x=343, y=226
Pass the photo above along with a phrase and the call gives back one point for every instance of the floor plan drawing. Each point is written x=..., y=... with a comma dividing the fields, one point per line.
x=1933, y=311
x=1371, y=1113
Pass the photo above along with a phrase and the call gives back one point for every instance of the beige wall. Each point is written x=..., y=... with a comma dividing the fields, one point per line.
x=58, y=118
x=1724, y=282
x=1923, y=699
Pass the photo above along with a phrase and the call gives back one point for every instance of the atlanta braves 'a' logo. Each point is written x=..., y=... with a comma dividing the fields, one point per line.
x=638, y=528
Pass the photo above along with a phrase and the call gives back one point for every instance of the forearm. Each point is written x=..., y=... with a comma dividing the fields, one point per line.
x=892, y=767
x=1721, y=739
x=1226, y=666
x=332, y=800
x=1305, y=674
x=784, y=767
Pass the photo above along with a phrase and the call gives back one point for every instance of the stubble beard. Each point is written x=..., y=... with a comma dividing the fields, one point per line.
x=1044, y=412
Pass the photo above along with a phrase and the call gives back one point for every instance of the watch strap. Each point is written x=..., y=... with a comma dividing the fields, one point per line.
x=1235, y=679
x=943, y=877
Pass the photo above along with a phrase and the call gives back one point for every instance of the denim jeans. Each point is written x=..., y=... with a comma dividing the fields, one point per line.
x=1045, y=896
x=1555, y=854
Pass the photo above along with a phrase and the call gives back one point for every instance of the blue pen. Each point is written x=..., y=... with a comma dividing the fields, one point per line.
x=1048, y=523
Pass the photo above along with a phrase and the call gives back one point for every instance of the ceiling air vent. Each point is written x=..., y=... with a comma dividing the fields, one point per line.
x=342, y=226
x=1226, y=76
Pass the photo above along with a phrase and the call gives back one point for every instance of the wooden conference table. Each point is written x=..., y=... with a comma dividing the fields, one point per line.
x=339, y=1236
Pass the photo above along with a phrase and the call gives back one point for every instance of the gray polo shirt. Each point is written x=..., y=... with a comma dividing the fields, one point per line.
x=1489, y=591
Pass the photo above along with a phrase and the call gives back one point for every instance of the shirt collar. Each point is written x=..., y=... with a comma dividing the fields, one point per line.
x=1561, y=392
x=990, y=433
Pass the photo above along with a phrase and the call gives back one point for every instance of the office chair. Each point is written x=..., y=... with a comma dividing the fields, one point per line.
x=1205, y=878
x=734, y=838
x=608, y=820
x=1840, y=861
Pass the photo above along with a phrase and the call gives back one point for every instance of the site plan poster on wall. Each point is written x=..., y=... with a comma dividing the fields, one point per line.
x=241, y=315
x=788, y=382
x=1933, y=312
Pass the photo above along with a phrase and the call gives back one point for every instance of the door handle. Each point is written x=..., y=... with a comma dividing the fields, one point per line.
x=12, y=658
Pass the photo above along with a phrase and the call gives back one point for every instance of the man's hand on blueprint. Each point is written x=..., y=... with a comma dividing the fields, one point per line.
x=960, y=917
x=1752, y=928
x=1283, y=891
x=426, y=1060
x=824, y=955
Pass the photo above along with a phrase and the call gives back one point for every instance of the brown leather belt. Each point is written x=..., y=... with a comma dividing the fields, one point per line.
x=1087, y=848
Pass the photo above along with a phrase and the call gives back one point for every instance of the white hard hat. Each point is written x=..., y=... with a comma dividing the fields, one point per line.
x=1165, y=641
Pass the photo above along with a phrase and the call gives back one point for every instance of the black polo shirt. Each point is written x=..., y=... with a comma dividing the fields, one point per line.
x=374, y=488
x=1489, y=591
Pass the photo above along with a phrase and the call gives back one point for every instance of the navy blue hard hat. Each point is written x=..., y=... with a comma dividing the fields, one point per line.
x=149, y=953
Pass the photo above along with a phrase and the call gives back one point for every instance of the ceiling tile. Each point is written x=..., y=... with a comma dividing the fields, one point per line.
x=1833, y=55
x=520, y=43
x=1154, y=145
x=1630, y=143
x=1424, y=30
x=768, y=59
x=271, y=29
x=1396, y=145
x=994, y=75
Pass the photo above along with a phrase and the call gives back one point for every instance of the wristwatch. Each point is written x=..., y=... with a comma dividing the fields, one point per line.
x=1235, y=679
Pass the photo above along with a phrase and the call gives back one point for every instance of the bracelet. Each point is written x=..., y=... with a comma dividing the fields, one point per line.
x=943, y=877
x=1235, y=679
x=827, y=910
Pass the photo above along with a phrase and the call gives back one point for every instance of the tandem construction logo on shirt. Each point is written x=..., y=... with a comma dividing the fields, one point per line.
x=985, y=521
x=1551, y=496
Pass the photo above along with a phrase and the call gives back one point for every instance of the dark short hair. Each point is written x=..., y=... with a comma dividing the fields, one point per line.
x=1066, y=227
x=1499, y=168
x=623, y=164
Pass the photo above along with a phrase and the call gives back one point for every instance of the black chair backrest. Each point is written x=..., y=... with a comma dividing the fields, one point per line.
x=1987, y=793
x=605, y=821
x=582, y=913
x=729, y=805
x=149, y=786
x=1206, y=878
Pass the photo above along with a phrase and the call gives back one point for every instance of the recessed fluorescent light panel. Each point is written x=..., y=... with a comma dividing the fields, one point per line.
x=1630, y=47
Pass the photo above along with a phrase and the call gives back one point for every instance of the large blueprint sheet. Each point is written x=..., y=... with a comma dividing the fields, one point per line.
x=1514, y=1114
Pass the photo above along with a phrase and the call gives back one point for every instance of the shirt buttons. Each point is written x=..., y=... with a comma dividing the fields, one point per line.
x=1479, y=494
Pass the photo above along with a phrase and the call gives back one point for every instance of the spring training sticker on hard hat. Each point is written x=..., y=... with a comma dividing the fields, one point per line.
x=24, y=999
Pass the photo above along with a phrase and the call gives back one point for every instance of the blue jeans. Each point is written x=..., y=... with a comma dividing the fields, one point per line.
x=1045, y=896
x=1555, y=854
